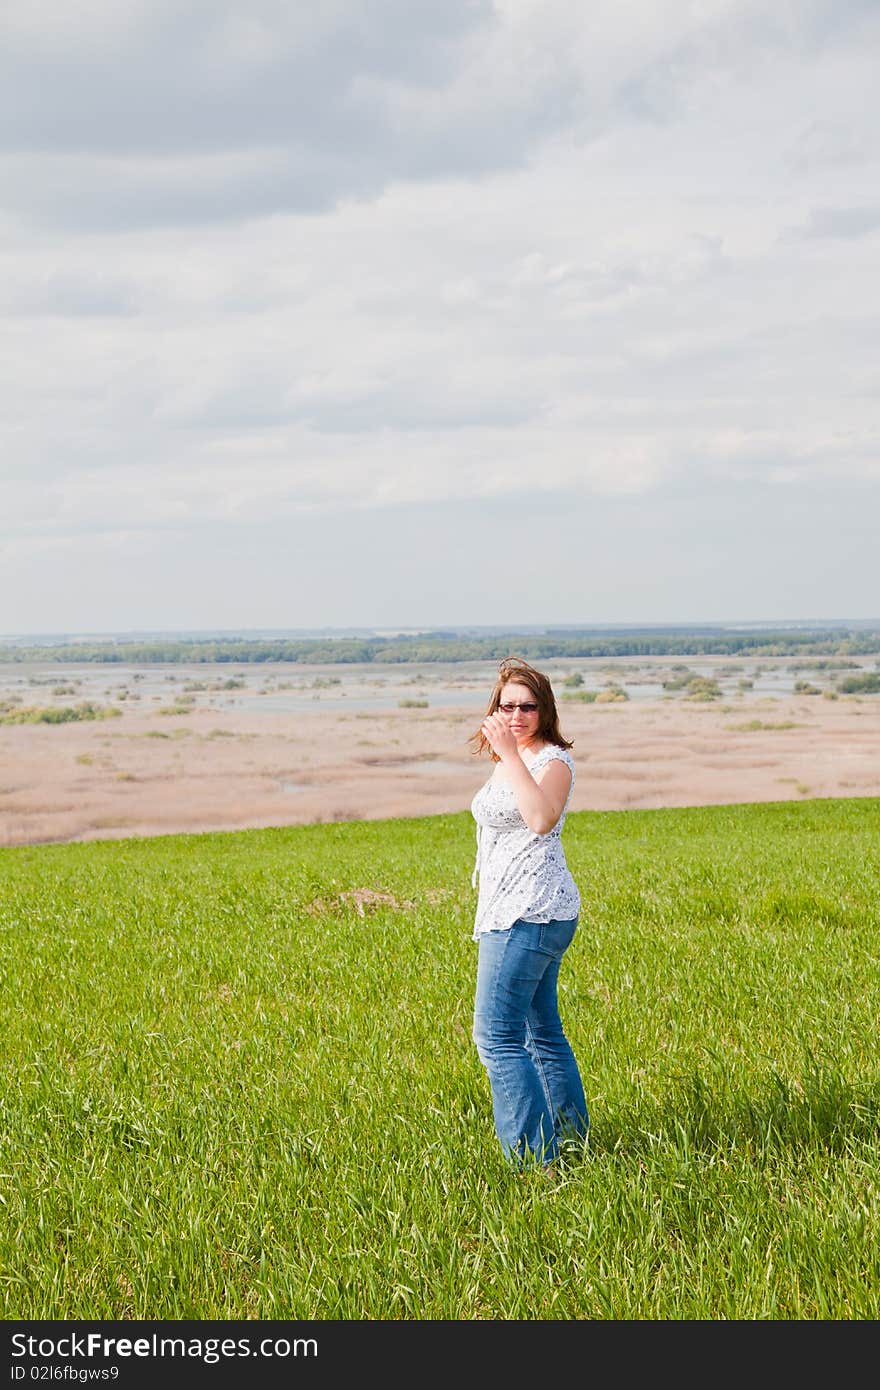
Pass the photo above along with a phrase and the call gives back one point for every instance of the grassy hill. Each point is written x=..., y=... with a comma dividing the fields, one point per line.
x=238, y=1079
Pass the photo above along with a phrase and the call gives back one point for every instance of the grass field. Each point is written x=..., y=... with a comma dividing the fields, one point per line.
x=238, y=1079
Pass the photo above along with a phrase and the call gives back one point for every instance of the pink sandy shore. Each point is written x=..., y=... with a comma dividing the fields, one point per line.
x=144, y=774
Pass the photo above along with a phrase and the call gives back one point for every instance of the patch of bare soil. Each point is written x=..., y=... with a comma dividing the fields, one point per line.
x=143, y=774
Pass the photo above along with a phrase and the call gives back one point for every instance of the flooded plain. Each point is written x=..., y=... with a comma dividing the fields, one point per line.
x=227, y=746
x=282, y=687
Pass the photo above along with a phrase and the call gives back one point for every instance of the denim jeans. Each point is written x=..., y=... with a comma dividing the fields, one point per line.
x=537, y=1094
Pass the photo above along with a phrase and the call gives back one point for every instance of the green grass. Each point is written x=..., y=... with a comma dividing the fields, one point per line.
x=56, y=714
x=238, y=1079
x=749, y=725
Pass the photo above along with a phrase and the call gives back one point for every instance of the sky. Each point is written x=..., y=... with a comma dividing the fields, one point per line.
x=437, y=312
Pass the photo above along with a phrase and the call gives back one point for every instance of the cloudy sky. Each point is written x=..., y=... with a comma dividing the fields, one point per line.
x=424, y=312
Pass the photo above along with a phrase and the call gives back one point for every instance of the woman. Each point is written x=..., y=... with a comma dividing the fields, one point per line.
x=527, y=914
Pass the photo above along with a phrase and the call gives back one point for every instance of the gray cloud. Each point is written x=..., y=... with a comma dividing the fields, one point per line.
x=159, y=78
x=207, y=113
x=843, y=223
x=150, y=114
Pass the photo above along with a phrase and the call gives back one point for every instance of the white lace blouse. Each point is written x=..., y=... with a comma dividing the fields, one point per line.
x=521, y=874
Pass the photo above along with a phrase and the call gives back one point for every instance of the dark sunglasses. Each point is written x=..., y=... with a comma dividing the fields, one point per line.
x=527, y=707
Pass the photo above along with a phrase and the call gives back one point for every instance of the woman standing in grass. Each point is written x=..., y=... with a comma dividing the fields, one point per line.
x=527, y=914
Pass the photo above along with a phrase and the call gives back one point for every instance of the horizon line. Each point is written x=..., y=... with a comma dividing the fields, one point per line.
x=385, y=631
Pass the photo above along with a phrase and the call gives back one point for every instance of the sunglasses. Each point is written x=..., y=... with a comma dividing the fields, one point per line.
x=527, y=707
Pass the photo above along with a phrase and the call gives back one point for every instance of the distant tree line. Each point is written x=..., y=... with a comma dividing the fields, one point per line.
x=452, y=647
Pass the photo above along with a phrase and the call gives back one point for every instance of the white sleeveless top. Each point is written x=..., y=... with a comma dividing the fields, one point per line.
x=521, y=874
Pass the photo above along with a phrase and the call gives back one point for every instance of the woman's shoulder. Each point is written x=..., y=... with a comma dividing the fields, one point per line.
x=552, y=751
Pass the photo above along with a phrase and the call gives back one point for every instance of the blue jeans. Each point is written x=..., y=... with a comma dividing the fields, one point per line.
x=537, y=1094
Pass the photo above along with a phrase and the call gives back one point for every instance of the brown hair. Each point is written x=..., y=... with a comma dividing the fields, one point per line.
x=513, y=670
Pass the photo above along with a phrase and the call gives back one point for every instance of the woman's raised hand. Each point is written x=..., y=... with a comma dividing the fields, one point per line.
x=496, y=730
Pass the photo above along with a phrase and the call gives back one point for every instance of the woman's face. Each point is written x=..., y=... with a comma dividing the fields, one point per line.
x=519, y=706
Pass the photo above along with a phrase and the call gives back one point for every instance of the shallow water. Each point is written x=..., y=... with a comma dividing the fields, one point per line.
x=281, y=688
